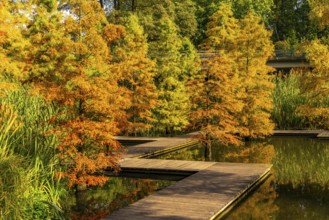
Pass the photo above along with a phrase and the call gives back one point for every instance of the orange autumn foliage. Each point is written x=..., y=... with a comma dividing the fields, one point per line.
x=70, y=64
x=214, y=101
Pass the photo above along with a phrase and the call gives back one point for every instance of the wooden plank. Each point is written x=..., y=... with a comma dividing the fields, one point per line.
x=157, y=144
x=323, y=135
x=199, y=196
x=313, y=133
x=174, y=165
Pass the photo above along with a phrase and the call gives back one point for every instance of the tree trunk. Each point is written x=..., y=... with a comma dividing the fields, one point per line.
x=133, y=5
x=208, y=151
x=102, y=3
x=116, y=4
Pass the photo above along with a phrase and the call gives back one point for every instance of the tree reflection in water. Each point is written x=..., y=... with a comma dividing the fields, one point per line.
x=250, y=152
x=98, y=202
x=260, y=205
x=299, y=185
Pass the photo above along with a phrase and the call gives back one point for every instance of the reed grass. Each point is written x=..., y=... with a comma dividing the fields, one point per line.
x=287, y=97
x=28, y=161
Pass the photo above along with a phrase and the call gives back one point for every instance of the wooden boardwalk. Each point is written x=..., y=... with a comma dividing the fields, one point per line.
x=310, y=133
x=154, y=146
x=157, y=146
x=164, y=165
x=202, y=195
x=211, y=188
x=321, y=134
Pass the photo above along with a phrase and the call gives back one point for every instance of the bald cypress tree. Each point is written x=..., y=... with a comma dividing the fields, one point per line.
x=319, y=12
x=314, y=84
x=70, y=65
x=215, y=89
x=175, y=59
x=171, y=112
x=137, y=73
x=254, y=47
x=235, y=79
x=12, y=42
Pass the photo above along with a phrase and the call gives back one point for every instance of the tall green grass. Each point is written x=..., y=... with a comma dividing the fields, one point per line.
x=287, y=97
x=28, y=161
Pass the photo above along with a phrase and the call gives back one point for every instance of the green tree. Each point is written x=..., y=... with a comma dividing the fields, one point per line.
x=262, y=8
x=168, y=31
x=137, y=70
x=182, y=12
x=171, y=112
x=206, y=8
x=185, y=17
x=190, y=59
x=176, y=60
x=291, y=22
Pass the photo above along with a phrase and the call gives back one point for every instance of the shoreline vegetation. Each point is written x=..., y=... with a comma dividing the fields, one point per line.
x=74, y=74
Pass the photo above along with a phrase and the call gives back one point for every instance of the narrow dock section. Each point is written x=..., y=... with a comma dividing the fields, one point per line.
x=164, y=165
x=323, y=135
x=203, y=195
x=154, y=146
x=307, y=133
x=157, y=146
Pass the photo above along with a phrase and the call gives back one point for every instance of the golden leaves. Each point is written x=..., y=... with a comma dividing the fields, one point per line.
x=112, y=32
x=68, y=62
x=233, y=94
x=319, y=12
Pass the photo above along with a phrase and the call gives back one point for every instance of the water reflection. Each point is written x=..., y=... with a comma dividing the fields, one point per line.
x=301, y=161
x=276, y=201
x=298, y=187
x=250, y=152
x=96, y=203
x=261, y=205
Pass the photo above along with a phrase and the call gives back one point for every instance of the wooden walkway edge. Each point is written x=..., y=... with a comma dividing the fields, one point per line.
x=321, y=134
x=157, y=146
x=203, y=195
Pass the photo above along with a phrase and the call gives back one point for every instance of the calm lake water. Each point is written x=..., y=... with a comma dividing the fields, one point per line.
x=298, y=188
x=118, y=192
